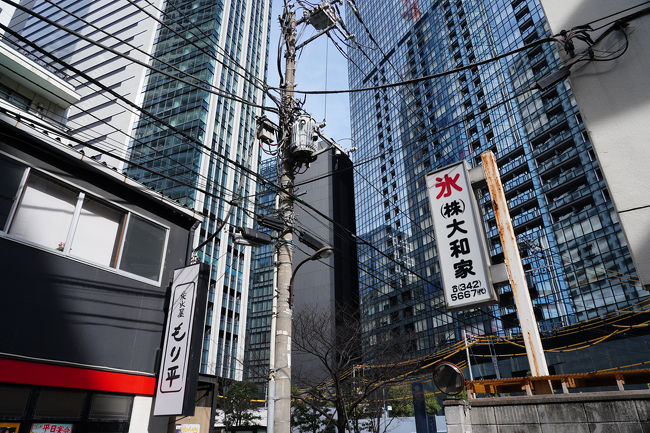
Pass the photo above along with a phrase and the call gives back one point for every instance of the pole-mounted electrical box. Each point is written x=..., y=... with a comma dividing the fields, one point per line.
x=265, y=130
x=323, y=16
x=304, y=135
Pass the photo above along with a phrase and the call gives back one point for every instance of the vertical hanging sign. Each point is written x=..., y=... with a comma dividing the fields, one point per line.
x=177, y=378
x=459, y=238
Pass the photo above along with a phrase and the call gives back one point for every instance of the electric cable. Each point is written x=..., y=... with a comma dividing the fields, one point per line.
x=143, y=111
x=374, y=275
x=403, y=146
x=444, y=73
x=427, y=77
x=207, y=181
x=47, y=127
x=385, y=57
x=221, y=93
x=254, y=80
x=253, y=77
x=152, y=57
x=614, y=14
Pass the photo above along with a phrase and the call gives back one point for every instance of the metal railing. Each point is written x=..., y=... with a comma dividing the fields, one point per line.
x=560, y=382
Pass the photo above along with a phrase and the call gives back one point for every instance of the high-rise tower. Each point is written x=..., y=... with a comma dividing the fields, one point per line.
x=327, y=286
x=222, y=46
x=573, y=250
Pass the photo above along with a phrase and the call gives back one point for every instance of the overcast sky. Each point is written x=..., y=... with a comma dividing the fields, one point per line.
x=313, y=71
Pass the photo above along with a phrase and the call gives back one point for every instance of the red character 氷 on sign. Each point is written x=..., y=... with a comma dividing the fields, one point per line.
x=446, y=184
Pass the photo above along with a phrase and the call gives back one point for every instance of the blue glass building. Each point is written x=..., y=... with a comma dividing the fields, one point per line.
x=224, y=44
x=262, y=283
x=573, y=249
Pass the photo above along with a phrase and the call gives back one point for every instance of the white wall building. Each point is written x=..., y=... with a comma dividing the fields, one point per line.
x=126, y=27
x=614, y=99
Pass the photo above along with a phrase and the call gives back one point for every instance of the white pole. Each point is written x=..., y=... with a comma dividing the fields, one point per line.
x=523, y=304
x=469, y=363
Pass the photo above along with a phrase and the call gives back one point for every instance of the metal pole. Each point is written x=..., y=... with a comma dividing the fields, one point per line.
x=469, y=364
x=282, y=363
x=523, y=304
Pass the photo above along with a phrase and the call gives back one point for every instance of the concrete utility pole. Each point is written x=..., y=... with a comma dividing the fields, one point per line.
x=516, y=274
x=282, y=353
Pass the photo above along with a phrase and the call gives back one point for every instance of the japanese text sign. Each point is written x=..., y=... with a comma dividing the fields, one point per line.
x=459, y=238
x=172, y=378
x=188, y=428
x=51, y=428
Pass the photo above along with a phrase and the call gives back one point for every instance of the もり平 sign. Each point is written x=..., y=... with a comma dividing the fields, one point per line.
x=459, y=239
x=177, y=379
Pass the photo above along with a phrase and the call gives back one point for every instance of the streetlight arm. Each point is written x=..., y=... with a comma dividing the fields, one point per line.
x=317, y=255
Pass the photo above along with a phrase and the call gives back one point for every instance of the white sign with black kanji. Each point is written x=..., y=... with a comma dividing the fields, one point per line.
x=459, y=238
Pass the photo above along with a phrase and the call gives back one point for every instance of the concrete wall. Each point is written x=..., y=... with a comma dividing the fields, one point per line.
x=614, y=101
x=611, y=412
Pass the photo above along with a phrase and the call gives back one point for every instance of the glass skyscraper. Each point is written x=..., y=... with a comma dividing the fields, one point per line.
x=574, y=252
x=258, y=348
x=223, y=44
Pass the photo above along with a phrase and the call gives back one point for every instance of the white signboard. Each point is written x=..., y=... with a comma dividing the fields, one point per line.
x=459, y=238
x=172, y=378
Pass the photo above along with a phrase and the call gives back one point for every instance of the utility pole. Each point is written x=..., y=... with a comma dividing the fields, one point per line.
x=282, y=345
x=469, y=363
x=516, y=274
x=297, y=146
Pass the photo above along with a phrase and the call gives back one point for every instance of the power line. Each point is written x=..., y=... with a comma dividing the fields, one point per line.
x=121, y=151
x=142, y=110
x=368, y=271
x=358, y=239
x=48, y=127
x=613, y=14
x=222, y=94
x=427, y=77
x=451, y=71
x=85, y=76
x=400, y=264
x=156, y=59
x=357, y=14
x=438, y=130
x=255, y=81
x=173, y=179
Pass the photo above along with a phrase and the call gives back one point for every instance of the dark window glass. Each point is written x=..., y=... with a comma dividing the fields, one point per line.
x=10, y=175
x=108, y=406
x=59, y=404
x=13, y=400
x=107, y=427
x=143, y=248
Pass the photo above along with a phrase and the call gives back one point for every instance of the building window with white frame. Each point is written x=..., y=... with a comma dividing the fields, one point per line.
x=40, y=210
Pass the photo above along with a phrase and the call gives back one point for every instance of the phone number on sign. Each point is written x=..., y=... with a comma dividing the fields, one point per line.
x=467, y=290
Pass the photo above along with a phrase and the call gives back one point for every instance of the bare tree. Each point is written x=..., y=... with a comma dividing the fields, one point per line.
x=328, y=354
